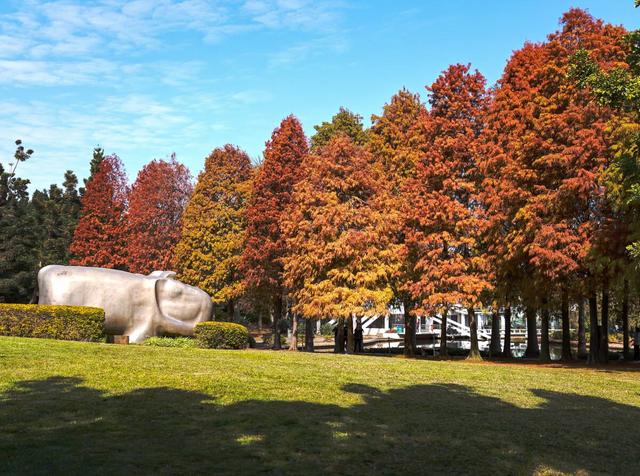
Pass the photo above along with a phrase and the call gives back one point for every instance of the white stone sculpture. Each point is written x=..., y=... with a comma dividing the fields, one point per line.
x=135, y=305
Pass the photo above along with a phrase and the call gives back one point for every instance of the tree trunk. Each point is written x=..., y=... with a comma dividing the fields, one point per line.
x=507, y=332
x=566, y=327
x=277, y=315
x=604, y=326
x=231, y=310
x=309, y=334
x=626, y=351
x=582, y=335
x=474, y=349
x=350, y=340
x=545, y=354
x=339, y=343
x=594, y=338
x=409, y=330
x=494, y=345
x=293, y=343
x=443, y=335
x=260, y=322
x=532, y=351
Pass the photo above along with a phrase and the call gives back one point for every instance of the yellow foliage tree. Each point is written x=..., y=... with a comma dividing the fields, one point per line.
x=214, y=223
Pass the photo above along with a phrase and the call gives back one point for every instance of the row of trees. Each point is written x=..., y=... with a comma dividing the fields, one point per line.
x=524, y=194
x=485, y=198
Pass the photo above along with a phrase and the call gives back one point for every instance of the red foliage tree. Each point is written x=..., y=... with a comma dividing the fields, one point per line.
x=445, y=217
x=99, y=237
x=272, y=190
x=156, y=202
x=552, y=148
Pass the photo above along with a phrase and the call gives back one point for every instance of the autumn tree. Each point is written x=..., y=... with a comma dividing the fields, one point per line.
x=153, y=222
x=397, y=141
x=208, y=254
x=445, y=217
x=339, y=254
x=542, y=177
x=344, y=122
x=99, y=238
x=271, y=196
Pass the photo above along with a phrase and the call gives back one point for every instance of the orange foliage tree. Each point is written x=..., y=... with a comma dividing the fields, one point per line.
x=446, y=219
x=99, y=238
x=397, y=141
x=339, y=257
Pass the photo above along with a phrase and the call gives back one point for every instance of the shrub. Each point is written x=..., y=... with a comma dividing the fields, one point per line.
x=221, y=335
x=183, y=342
x=52, y=322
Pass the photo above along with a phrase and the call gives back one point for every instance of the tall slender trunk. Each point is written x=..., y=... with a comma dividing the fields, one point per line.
x=474, y=349
x=260, y=321
x=532, y=351
x=506, y=352
x=582, y=334
x=350, y=339
x=293, y=343
x=309, y=334
x=566, y=327
x=339, y=344
x=277, y=315
x=231, y=310
x=409, y=330
x=626, y=351
x=443, y=335
x=494, y=345
x=604, y=327
x=545, y=353
x=594, y=338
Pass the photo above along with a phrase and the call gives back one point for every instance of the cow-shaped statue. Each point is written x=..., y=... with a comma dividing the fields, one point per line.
x=134, y=305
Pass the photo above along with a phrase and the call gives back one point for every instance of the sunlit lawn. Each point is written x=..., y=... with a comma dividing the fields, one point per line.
x=76, y=408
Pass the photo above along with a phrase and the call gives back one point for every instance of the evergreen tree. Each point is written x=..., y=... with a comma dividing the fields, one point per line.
x=18, y=234
x=345, y=123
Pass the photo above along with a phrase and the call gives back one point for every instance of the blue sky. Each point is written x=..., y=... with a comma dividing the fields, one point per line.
x=146, y=78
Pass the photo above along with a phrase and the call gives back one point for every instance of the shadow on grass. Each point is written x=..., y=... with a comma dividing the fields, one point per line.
x=60, y=426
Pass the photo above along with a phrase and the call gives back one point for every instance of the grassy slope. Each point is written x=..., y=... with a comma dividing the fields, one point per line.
x=67, y=406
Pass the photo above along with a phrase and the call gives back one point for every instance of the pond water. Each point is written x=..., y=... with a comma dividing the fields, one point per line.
x=517, y=348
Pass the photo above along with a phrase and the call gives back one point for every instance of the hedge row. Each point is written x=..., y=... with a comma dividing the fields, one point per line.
x=52, y=322
x=221, y=335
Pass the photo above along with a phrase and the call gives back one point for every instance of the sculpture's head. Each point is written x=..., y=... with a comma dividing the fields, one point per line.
x=181, y=302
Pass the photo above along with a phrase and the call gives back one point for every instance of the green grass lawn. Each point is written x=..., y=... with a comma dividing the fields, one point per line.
x=77, y=408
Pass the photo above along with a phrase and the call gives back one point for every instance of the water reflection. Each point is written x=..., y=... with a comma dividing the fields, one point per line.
x=517, y=348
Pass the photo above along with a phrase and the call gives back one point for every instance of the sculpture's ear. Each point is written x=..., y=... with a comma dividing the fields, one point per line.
x=171, y=303
x=166, y=293
x=162, y=274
